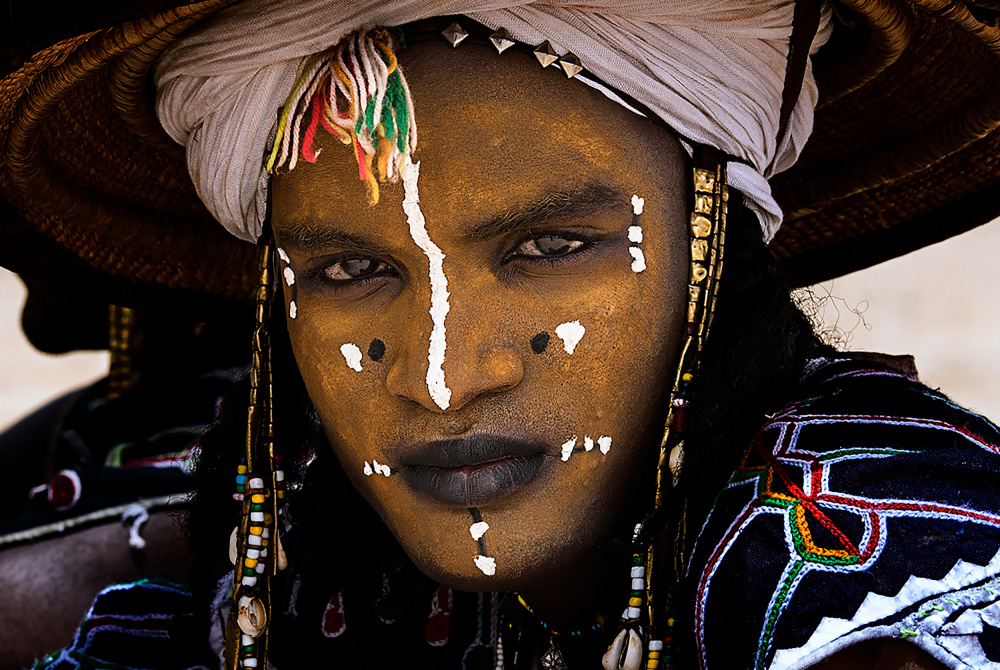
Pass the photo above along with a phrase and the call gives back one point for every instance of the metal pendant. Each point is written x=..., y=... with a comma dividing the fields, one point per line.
x=545, y=54
x=501, y=40
x=454, y=34
x=553, y=659
x=571, y=65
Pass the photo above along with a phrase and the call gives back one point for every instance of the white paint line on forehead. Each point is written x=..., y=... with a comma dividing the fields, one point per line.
x=293, y=309
x=478, y=529
x=352, y=355
x=567, y=448
x=570, y=333
x=487, y=564
x=436, y=386
x=637, y=204
x=638, y=259
x=605, y=443
x=635, y=234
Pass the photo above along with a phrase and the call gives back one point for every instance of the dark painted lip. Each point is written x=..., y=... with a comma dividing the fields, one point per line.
x=472, y=471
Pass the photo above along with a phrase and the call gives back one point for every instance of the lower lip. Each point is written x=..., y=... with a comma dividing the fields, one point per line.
x=474, y=485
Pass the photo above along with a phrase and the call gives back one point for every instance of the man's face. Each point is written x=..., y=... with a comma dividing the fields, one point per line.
x=485, y=334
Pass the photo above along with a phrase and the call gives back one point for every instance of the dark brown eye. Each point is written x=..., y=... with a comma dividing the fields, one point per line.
x=548, y=246
x=354, y=268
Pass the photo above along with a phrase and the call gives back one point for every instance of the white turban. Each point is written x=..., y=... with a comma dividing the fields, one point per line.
x=713, y=70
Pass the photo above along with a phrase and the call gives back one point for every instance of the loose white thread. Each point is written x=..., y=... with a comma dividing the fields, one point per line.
x=567, y=448
x=478, y=529
x=570, y=333
x=138, y=515
x=436, y=386
x=638, y=260
x=352, y=355
x=605, y=443
x=637, y=204
x=487, y=564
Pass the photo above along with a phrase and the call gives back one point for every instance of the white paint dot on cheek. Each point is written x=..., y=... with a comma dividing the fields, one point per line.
x=487, y=564
x=605, y=443
x=283, y=256
x=588, y=444
x=293, y=309
x=368, y=469
x=635, y=234
x=289, y=275
x=478, y=529
x=638, y=259
x=436, y=386
x=637, y=204
x=570, y=333
x=567, y=448
x=352, y=355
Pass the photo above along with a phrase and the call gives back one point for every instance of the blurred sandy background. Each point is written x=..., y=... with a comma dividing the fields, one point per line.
x=939, y=304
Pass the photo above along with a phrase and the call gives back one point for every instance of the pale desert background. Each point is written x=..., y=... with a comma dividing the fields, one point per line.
x=939, y=304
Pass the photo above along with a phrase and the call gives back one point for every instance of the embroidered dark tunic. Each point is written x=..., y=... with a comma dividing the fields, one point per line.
x=868, y=509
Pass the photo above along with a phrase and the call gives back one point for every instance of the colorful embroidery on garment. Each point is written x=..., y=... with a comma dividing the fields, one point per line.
x=874, y=490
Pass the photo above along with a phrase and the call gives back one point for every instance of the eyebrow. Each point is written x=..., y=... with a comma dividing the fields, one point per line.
x=593, y=198
x=305, y=234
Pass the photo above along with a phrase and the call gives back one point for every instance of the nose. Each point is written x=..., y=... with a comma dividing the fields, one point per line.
x=478, y=360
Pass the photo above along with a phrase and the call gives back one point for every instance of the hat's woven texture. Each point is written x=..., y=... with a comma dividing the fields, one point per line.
x=904, y=153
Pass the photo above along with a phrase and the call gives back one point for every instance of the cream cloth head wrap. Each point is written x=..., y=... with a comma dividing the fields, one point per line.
x=713, y=70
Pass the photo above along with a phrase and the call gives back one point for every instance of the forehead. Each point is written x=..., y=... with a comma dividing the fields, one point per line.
x=495, y=131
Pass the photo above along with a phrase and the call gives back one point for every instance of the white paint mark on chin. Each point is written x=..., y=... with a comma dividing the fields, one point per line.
x=635, y=234
x=487, y=564
x=588, y=443
x=637, y=204
x=293, y=309
x=570, y=333
x=567, y=448
x=638, y=259
x=605, y=443
x=478, y=529
x=352, y=355
x=436, y=386
x=289, y=275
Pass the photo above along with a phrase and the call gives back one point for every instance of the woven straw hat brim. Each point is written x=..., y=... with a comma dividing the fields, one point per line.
x=904, y=154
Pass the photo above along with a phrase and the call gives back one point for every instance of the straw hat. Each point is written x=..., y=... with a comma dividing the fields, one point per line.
x=904, y=151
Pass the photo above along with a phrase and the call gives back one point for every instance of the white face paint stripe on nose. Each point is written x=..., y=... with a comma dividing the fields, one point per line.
x=436, y=386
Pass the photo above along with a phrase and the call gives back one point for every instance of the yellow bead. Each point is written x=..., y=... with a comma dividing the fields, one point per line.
x=257, y=498
x=653, y=664
x=263, y=543
x=687, y=376
x=256, y=530
x=242, y=469
x=670, y=622
x=635, y=602
x=250, y=563
x=654, y=654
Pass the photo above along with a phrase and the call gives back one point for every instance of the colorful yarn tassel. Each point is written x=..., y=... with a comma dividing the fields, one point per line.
x=358, y=94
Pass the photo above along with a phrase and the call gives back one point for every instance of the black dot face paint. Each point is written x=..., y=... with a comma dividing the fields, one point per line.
x=539, y=342
x=376, y=350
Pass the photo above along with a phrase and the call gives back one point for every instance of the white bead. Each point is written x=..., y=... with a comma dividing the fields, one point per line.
x=638, y=571
x=634, y=612
x=247, y=640
x=638, y=584
x=260, y=568
x=279, y=475
x=266, y=533
x=254, y=540
x=253, y=553
x=256, y=483
x=263, y=553
x=249, y=581
x=249, y=662
x=656, y=645
x=257, y=516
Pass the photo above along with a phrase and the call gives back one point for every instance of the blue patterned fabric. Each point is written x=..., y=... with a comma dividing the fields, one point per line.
x=869, y=509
